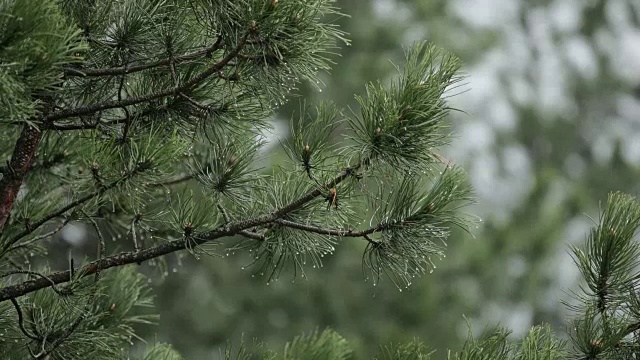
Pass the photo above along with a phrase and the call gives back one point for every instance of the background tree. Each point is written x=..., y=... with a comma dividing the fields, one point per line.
x=114, y=111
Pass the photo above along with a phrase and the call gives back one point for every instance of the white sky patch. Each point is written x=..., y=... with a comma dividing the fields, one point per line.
x=74, y=234
x=602, y=148
x=566, y=15
x=502, y=115
x=391, y=9
x=627, y=57
x=520, y=90
x=631, y=148
x=617, y=15
x=486, y=14
x=580, y=56
x=280, y=130
x=478, y=137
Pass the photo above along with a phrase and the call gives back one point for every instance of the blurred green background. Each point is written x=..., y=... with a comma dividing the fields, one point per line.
x=550, y=123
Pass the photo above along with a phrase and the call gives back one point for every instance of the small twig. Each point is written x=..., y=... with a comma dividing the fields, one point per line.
x=91, y=108
x=204, y=108
x=133, y=233
x=60, y=339
x=71, y=72
x=370, y=240
x=323, y=231
x=57, y=342
x=101, y=245
x=40, y=237
x=177, y=180
x=61, y=211
x=21, y=321
x=127, y=123
x=227, y=219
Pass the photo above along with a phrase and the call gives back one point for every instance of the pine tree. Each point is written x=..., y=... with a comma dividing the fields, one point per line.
x=139, y=119
x=142, y=120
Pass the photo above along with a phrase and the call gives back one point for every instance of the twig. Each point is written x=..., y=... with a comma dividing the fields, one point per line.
x=133, y=233
x=57, y=342
x=21, y=321
x=127, y=122
x=71, y=72
x=177, y=180
x=40, y=237
x=101, y=244
x=323, y=231
x=88, y=109
x=60, y=339
x=61, y=211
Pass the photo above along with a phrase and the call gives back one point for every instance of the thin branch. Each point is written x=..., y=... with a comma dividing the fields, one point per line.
x=71, y=72
x=324, y=231
x=136, y=257
x=21, y=321
x=133, y=233
x=101, y=244
x=40, y=237
x=88, y=109
x=89, y=126
x=43, y=354
x=177, y=180
x=61, y=211
x=127, y=123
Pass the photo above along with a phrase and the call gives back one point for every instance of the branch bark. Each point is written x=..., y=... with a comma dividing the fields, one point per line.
x=23, y=156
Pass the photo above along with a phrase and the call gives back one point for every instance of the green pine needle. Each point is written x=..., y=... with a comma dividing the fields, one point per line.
x=414, y=226
x=317, y=346
x=609, y=259
x=404, y=124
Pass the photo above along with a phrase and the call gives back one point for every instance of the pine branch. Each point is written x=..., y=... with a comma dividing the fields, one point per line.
x=92, y=108
x=73, y=72
x=35, y=273
x=137, y=257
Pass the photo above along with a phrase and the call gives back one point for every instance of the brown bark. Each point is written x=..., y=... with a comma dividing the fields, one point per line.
x=23, y=156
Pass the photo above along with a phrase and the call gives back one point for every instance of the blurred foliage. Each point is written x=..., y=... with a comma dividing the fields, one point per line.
x=549, y=130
